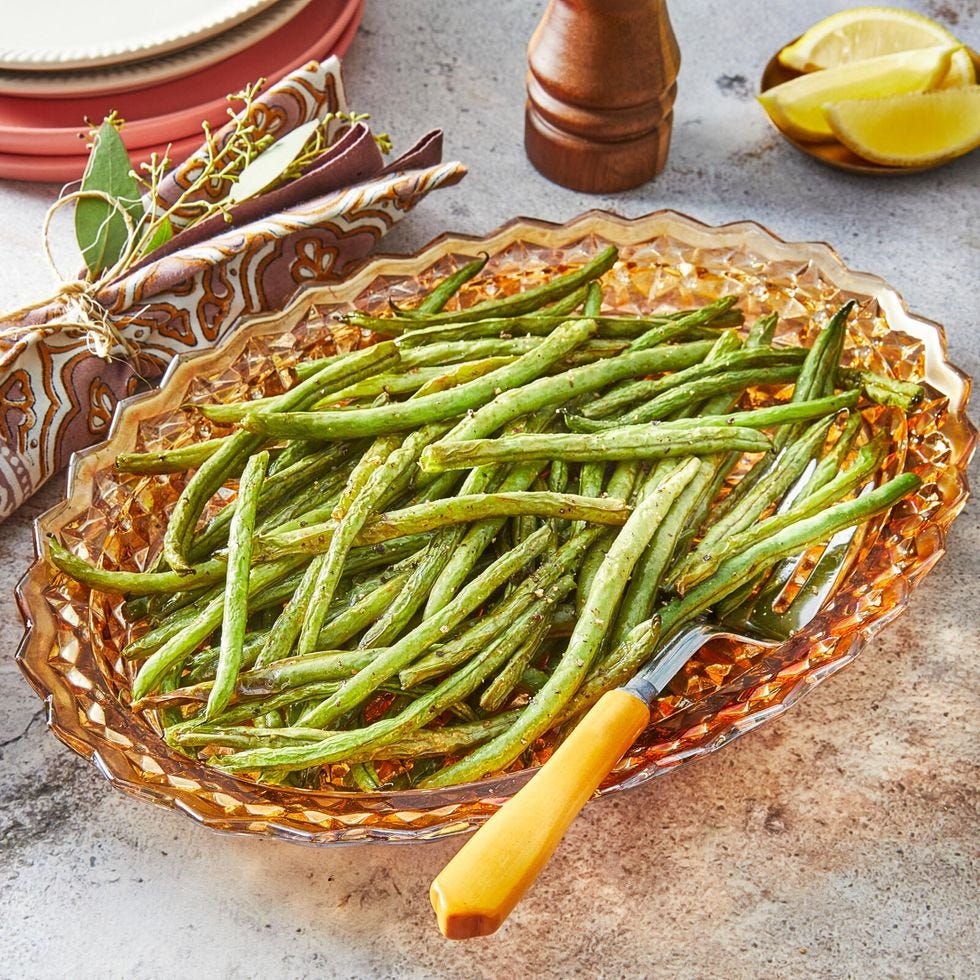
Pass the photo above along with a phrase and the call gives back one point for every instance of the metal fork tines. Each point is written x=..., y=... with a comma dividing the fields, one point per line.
x=790, y=597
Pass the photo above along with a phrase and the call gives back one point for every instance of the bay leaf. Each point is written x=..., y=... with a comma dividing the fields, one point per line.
x=271, y=163
x=99, y=227
x=161, y=235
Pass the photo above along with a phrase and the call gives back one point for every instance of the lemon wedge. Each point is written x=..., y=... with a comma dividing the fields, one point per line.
x=961, y=70
x=796, y=106
x=862, y=33
x=912, y=130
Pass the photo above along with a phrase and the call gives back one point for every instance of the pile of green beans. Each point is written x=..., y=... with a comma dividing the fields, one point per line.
x=448, y=543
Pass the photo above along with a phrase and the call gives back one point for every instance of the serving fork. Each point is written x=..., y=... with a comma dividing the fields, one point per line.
x=479, y=887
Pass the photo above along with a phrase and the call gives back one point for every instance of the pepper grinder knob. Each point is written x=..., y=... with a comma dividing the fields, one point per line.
x=601, y=82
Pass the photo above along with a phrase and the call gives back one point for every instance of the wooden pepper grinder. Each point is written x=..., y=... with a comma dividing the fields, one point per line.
x=601, y=83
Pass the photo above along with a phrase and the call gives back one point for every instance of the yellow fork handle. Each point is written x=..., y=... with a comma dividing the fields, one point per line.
x=476, y=891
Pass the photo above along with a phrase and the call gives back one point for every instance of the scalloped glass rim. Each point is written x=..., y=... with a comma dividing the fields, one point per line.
x=85, y=715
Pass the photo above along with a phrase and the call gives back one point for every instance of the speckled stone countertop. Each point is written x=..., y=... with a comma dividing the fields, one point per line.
x=838, y=841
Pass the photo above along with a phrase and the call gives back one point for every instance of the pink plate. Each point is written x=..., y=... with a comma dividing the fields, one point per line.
x=61, y=168
x=174, y=110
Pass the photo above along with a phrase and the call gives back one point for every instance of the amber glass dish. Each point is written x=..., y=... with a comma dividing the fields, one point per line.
x=70, y=649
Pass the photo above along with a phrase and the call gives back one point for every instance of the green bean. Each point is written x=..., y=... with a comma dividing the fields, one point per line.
x=176, y=649
x=447, y=289
x=663, y=327
x=532, y=681
x=686, y=396
x=282, y=637
x=497, y=328
x=696, y=318
x=532, y=327
x=460, y=648
x=590, y=352
x=362, y=613
x=558, y=476
x=201, y=665
x=678, y=530
x=244, y=711
x=616, y=668
x=134, y=583
x=448, y=352
x=306, y=668
x=142, y=646
x=833, y=461
x=625, y=443
x=544, y=503
x=591, y=477
x=391, y=621
x=349, y=526
x=412, y=381
x=198, y=491
x=392, y=383
x=761, y=332
x=431, y=408
x=168, y=713
x=531, y=299
x=364, y=776
x=436, y=514
x=802, y=411
x=726, y=343
x=500, y=688
x=363, y=604
x=472, y=542
x=437, y=378
x=338, y=745
x=585, y=641
x=312, y=475
x=868, y=460
x=591, y=564
x=303, y=515
x=441, y=552
x=315, y=503
x=738, y=361
x=820, y=367
x=621, y=485
x=365, y=468
x=136, y=608
x=235, y=612
x=882, y=389
x=642, y=590
x=291, y=454
x=786, y=470
x=555, y=390
x=448, y=740
x=169, y=460
x=409, y=647
x=230, y=457
x=382, y=554
x=475, y=541
x=785, y=543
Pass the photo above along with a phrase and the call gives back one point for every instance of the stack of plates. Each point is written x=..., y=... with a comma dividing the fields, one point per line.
x=165, y=69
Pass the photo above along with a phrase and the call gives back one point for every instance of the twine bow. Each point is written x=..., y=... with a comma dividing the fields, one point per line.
x=83, y=315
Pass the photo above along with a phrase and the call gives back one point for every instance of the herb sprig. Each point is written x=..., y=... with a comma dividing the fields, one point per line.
x=119, y=214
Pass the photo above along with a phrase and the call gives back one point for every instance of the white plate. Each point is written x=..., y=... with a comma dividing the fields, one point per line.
x=153, y=71
x=55, y=34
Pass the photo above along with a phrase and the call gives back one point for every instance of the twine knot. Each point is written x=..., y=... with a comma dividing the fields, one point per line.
x=82, y=313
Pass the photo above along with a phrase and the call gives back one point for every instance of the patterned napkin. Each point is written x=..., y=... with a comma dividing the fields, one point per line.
x=57, y=395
